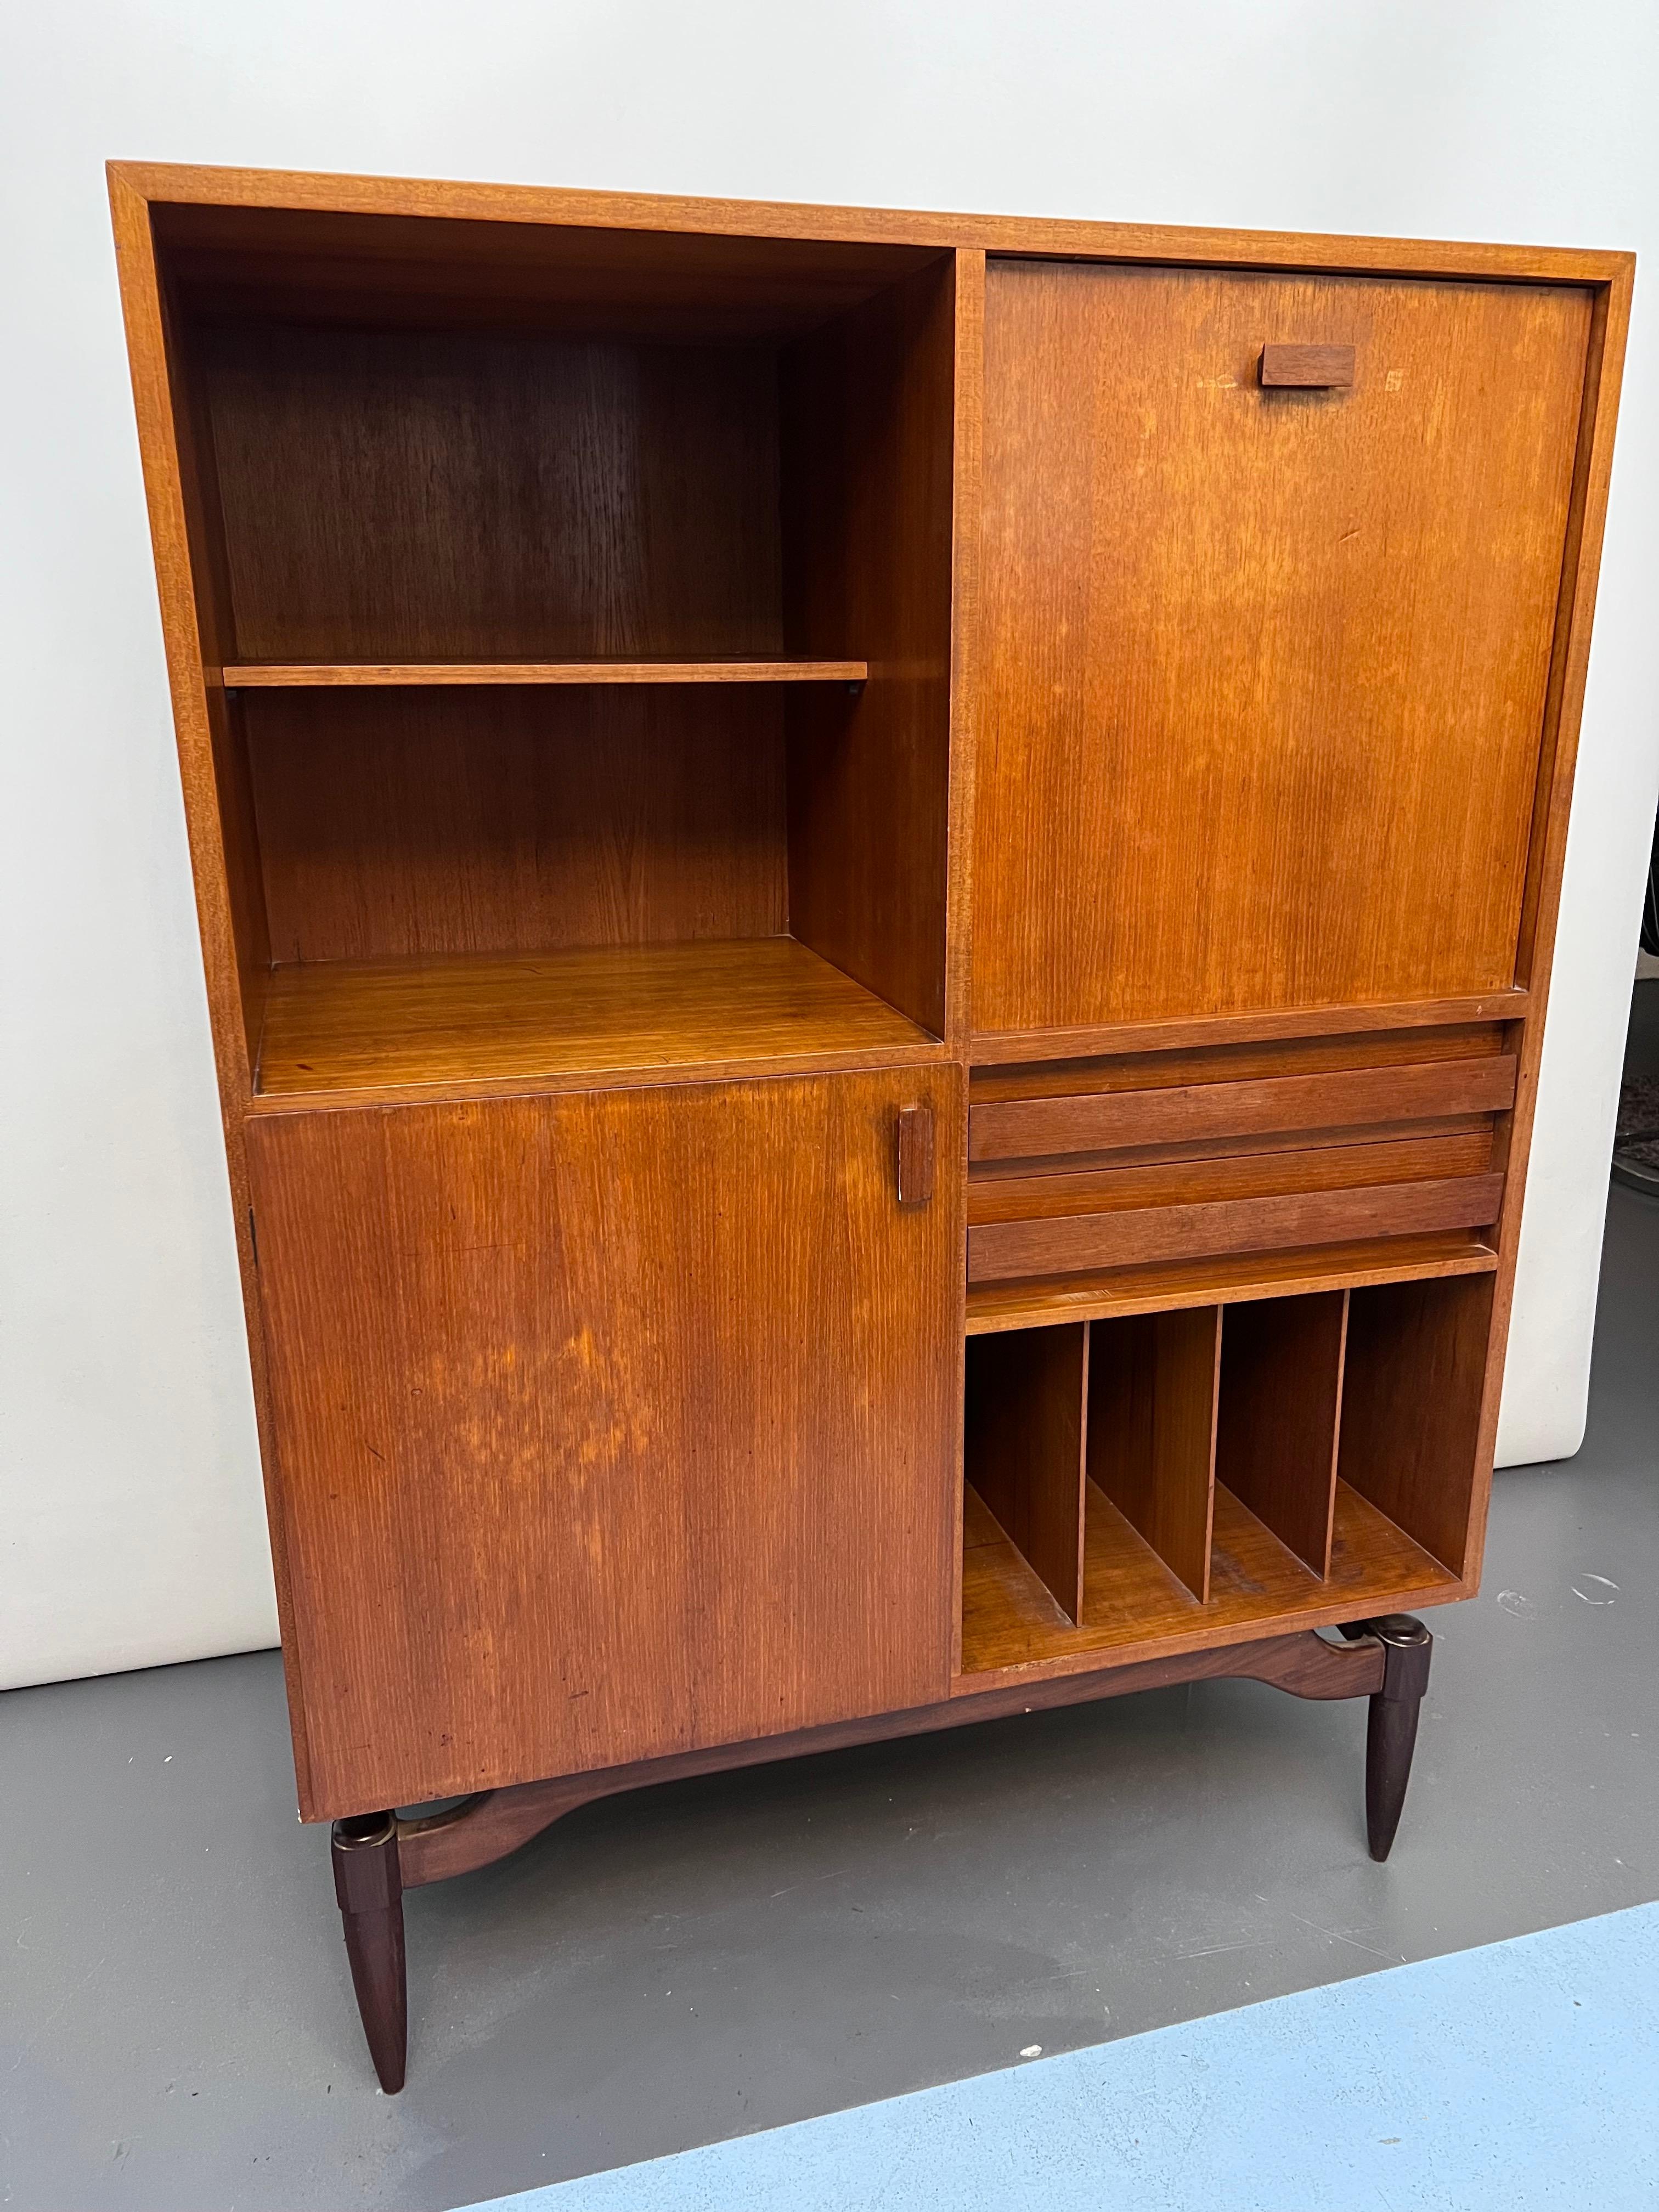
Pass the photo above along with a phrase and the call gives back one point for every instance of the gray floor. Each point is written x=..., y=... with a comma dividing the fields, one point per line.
x=727, y=1954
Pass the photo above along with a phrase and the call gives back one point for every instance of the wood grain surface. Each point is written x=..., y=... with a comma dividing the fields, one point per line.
x=325, y=264
x=1281, y=1408
x=966, y=460
x=1152, y=1384
x=1033, y=1301
x=1411, y=1406
x=1093, y=1121
x=867, y=422
x=1233, y=728
x=405, y=495
x=362, y=1025
x=1307, y=368
x=1264, y=673
x=223, y=854
x=565, y=1480
x=1023, y=1442
x=1131, y=1236
x=486, y=1826
x=1185, y=1179
x=448, y=822
x=232, y=789
x=1249, y=1059
x=1132, y=1603
x=994, y=1048
x=1552, y=803
x=1307, y=1151
x=321, y=675
x=298, y=211
x=916, y=1154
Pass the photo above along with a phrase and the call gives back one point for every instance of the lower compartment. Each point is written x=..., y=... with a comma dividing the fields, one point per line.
x=1219, y=1468
x=1129, y=1597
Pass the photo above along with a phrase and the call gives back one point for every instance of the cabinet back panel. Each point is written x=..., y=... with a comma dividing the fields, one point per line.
x=456, y=495
x=472, y=821
x=1263, y=673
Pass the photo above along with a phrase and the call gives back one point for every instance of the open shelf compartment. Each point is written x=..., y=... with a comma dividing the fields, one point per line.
x=575, y=607
x=343, y=1026
x=1308, y=1456
x=1024, y=1441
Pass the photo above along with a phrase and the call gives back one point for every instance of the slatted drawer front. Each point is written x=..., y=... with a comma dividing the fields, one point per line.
x=1175, y=1156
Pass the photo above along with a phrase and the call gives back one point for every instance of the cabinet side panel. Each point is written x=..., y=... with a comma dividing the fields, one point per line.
x=230, y=953
x=1591, y=479
x=199, y=483
x=191, y=617
x=867, y=460
x=610, y=1426
x=1264, y=671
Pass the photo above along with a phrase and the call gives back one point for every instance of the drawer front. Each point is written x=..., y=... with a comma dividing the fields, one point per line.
x=1264, y=665
x=1113, y=1119
x=1105, y=1168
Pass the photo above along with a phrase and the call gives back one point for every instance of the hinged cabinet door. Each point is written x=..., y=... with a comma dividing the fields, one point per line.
x=609, y=1424
x=1270, y=573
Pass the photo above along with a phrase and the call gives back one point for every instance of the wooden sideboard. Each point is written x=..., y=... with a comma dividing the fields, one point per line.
x=877, y=892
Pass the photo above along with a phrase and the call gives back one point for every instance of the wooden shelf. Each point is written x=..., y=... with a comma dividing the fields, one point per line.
x=1225, y=1281
x=369, y=1025
x=311, y=675
x=1130, y=1597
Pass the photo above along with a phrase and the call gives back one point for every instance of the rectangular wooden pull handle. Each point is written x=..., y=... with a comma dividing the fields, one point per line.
x=1309, y=367
x=916, y=1154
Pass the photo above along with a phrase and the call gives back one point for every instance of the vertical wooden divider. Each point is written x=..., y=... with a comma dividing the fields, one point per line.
x=1023, y=1446
x=1411, y=1438
x=1151, y=1434
x=1279, y=1415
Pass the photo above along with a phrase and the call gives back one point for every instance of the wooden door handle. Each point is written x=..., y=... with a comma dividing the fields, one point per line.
x=916, y=1154
x=1307, y=368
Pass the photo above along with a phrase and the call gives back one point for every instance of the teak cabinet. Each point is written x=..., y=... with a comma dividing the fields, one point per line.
x=877, y=893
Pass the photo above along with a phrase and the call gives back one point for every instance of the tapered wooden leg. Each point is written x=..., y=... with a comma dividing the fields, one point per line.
x=376, y=1855
x=368, y=1882
x=1391, y=1733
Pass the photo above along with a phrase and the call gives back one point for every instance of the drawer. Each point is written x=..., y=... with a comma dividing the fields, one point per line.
x=1105, y=1165
x=1086, y=1121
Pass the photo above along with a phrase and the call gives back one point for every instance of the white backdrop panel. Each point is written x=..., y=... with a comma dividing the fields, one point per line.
x=130, y=1524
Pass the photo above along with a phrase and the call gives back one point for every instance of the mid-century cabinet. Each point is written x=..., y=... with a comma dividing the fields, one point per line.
x=877, y=892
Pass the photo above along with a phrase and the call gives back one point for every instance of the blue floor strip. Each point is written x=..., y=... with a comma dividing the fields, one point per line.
x=1522, y=2074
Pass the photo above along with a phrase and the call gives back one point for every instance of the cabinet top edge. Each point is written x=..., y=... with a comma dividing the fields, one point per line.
x=1037, y=236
